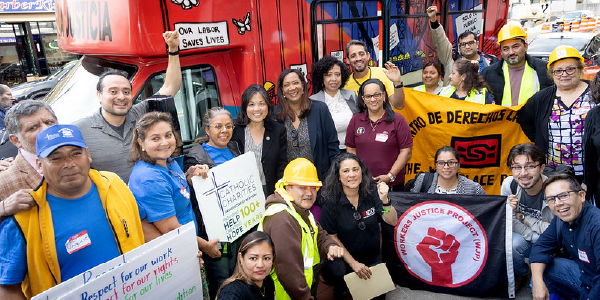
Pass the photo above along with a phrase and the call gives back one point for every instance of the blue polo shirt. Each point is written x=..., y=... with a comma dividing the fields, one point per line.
x=161, y=192
x=581, y=240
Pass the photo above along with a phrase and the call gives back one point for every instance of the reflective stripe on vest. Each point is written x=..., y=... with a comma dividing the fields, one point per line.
x=530, y=84
x=310, y=253
x=473, y=96
x=420, y=88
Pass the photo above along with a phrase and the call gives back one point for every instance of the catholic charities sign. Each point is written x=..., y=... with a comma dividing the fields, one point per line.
x=231, y=198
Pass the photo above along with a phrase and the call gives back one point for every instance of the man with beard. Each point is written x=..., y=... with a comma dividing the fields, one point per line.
x=108, y=132
x=517, y=76
x=468, y=46
x=358, y=56
x=531, y=215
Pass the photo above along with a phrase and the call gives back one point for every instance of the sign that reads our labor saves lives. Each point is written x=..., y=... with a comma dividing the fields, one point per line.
x=231, y=198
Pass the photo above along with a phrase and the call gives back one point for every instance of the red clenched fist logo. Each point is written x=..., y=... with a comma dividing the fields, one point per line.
x=439, y=250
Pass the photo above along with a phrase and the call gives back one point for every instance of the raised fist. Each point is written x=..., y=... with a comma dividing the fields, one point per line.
x=432, y=13
x=439, y=250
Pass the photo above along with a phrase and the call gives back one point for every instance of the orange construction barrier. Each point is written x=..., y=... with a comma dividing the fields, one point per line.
x=598, y=24
x=567, y=26
x=546, y=28
x=575, y=26
x=591, y=24
x=583, y=26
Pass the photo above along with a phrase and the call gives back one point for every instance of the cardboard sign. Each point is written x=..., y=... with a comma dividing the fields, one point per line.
x=394, y=39
x=165, y=268
x=202, y=35
x=231, y=199
x=470, y=22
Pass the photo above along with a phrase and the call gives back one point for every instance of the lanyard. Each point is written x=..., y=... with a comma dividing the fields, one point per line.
x=359, y=84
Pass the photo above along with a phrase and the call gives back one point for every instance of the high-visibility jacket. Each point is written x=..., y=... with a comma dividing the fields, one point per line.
x=422, y=88
x=473, y=96
x=310, y=252
x=530, y=84
x=43, y=269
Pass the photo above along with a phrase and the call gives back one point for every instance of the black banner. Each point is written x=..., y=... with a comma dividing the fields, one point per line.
x=453, y=244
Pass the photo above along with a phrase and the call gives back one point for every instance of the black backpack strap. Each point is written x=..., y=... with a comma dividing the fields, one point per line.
x=427, y=181
x=513, y=186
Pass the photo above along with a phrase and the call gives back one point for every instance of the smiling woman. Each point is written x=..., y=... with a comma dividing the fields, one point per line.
x=157, y=182
x=310, y=128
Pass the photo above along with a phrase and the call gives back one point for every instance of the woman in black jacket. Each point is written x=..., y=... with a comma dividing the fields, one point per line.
x=257, y=131
x=591, y=145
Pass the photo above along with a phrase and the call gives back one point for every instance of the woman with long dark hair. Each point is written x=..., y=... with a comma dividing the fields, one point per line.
x=446, y=179
x=329, y=74
x=310, y=129
x=380, y=136
x=251, y=280
x=466, y=83
x=353, y=209
x=257, y=131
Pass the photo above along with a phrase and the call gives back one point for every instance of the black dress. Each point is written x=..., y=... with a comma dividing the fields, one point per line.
x=239, y=290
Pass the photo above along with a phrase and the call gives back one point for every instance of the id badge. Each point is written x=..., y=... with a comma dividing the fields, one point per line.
x=78, y=242
x=381, y=137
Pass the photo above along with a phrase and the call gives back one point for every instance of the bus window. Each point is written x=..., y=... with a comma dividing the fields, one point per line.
x=198, y=93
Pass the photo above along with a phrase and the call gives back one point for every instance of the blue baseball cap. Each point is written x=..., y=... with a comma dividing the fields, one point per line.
x=56, y=136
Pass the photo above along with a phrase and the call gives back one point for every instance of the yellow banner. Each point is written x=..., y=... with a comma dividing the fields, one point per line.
x=482, y=134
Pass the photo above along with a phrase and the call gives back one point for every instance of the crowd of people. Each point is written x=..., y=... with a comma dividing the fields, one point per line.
x=327, y=163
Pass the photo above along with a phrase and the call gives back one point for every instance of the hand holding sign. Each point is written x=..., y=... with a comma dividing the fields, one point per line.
x=439, y=250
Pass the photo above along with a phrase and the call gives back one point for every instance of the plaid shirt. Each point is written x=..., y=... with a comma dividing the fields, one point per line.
x=20, y=175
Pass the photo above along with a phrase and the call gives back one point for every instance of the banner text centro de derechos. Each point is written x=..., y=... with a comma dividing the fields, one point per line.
x=482, y=134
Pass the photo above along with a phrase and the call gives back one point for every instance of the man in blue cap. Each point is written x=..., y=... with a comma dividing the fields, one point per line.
x=82, y=218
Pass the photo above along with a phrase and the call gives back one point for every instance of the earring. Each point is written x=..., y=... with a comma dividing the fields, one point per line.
x=143, y=150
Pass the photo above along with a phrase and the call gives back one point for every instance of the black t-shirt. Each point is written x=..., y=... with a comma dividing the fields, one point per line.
x=531, y=205
x=363, y=245
x=239, y=290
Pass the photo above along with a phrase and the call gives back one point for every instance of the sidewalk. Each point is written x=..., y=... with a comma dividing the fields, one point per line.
x=325, y=292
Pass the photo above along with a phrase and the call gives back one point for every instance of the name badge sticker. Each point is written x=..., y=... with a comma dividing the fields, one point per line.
x=185, y=193
x=78, y=242
x=583, y=256
x=381, y=137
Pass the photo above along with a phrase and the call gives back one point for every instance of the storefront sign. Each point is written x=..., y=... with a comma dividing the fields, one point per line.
x=8, y=40
x=165, y=268
x=231, y=198
x=26, y=6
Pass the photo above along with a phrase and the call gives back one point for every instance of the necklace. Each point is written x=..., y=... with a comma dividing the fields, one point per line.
x=359, y=84
x=375, y=123
x=262, y=291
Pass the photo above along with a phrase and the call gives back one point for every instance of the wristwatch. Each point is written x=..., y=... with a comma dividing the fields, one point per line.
x=391, y=176
x=521, y=218
x=401, y=85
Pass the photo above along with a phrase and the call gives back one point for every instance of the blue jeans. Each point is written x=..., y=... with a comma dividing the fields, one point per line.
x=562, y=277
x=520, y=250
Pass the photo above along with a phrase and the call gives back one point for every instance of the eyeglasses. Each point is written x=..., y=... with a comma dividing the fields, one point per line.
x=559, y=72
x=469, y=43
x=377, y=96
x=563, y=197
x=519, y=169
x=220, y=127
x=450, y=163
x=361, y=224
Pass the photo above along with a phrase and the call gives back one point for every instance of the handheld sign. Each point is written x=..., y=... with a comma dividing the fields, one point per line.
x=165, y=268
x=231, y=198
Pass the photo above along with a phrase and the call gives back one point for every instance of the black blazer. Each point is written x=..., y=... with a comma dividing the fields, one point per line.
x=274, y=151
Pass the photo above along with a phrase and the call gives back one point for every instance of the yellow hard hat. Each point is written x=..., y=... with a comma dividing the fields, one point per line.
x=562, y=52
x=510, y=31
x=300, y=171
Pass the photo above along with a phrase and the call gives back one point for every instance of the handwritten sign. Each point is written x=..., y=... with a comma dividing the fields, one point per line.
x=231, y=199
x=394, y=38
x=165, y=268
x=470, y=22
x=202, y=35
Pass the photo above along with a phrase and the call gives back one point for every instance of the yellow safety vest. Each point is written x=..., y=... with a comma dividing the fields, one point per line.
x=421, y=88
x=43, y=269
x=528, y=86
x=473, y=96
x=310, y=253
